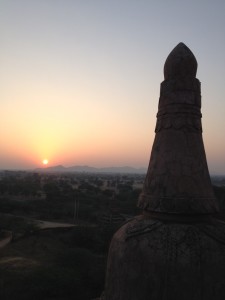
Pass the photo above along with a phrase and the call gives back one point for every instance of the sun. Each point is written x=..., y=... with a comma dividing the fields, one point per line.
x=45, y=161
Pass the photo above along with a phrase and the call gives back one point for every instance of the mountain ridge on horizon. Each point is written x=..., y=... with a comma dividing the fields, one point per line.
x=89, y=169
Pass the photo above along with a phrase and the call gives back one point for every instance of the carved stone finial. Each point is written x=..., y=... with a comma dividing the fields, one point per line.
x=180, y=62
x=178, y=180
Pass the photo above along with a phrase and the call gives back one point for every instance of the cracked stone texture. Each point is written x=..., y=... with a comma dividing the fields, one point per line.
x=154, y=260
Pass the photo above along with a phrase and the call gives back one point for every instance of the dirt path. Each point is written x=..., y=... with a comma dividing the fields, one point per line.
x=6, y=239
x=41, y=223
x=47, y=224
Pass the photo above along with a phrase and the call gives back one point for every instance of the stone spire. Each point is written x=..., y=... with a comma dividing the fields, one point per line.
x=176, y=248
x=178, y=180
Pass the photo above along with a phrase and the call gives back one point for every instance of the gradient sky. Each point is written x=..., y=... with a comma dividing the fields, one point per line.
x=80, y=79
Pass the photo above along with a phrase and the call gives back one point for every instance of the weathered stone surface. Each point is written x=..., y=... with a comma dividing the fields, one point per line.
x=153, y=260
x=176, y=249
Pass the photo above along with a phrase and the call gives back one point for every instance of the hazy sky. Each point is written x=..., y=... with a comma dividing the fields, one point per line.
x=79, y=80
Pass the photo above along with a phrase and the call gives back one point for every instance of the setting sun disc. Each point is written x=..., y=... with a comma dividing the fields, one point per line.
x=45, y=161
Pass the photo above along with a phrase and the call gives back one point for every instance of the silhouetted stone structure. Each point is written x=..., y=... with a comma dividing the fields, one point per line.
x=175, y=250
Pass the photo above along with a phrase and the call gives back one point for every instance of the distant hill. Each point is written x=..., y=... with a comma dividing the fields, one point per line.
x=88, y=169
x=58, y=168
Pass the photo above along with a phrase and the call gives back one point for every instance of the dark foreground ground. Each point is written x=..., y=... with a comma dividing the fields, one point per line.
x=61, y=263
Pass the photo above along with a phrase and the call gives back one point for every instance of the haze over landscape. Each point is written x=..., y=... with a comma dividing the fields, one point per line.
x=80, y=80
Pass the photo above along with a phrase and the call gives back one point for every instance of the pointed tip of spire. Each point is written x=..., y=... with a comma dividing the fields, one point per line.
x=181, y=62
